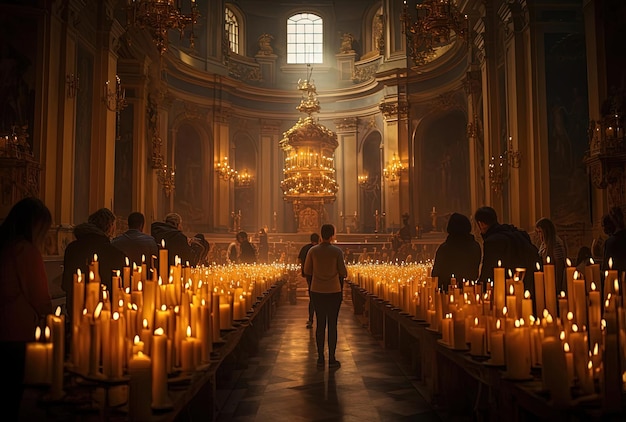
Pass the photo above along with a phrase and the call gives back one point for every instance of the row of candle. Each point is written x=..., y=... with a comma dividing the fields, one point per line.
x=167, y=326
x=502, y=325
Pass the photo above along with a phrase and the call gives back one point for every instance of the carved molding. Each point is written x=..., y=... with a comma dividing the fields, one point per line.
x=347, y=124
x=392, y=110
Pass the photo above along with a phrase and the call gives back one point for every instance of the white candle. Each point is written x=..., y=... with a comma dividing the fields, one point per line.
x=36, y=371
x=477, y=339
x=57, y=327
x=540, y=295
x=554, y=371
x=187, y=352
x=497, y=345
x=550, y=286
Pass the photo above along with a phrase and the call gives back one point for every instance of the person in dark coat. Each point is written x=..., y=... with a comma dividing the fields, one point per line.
x=315, y=239
x=247, y=251
x=459, y=255
x=508, y=244
x=134, y=242
x=615, y=245
x=92, y=238
x=176, y=242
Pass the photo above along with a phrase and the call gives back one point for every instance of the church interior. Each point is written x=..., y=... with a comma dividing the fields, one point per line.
x=276, y=117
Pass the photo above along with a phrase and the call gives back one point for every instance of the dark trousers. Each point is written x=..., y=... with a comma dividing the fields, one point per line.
x=326, y=307
x=13, y=358
x=311, y=308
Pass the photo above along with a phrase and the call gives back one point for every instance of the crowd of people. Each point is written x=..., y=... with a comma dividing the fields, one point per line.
x=25, y=297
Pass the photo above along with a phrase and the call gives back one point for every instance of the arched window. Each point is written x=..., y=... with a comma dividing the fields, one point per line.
x=231, y=25
x=305, y=36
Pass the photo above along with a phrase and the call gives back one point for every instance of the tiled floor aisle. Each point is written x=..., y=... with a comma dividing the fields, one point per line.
x=282, y=383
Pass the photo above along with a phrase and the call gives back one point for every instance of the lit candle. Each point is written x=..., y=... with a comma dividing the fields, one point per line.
x=580, y=300
x=477, y=339
x=204, y=332
x=499, y=286
x=540, y=296
x=160, y=397
x=140, y=388
x=527, y=306
x=550, y=286
x=163, y=261
x=497, y=345
x=511, y=303
x=187, y=352
x=554, y=371
x=36, y=372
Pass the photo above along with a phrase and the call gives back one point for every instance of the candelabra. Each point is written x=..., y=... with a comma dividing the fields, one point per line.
x=159, y=16
x=393, y=170
x=224, y=170
x=363, y=180
x=166, y=177
x=499, y=167
x=73, y=85
x=115, y=100
x=437, y=23
x=243, y=179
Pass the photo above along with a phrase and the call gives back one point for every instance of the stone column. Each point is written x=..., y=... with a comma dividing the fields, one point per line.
x=346, y=166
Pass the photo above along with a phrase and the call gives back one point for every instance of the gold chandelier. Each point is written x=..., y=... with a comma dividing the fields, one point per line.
x=244, y=179
x=393, y=170
x=167, y=179
x=159, y=16
x=436, y=24
x=309, y=169
x=224, y=170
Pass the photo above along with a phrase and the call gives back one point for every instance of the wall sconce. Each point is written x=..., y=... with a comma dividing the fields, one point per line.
x=499, y=167
x=392, y=170
x=73, y=85
x=363, y=180
x=224, y=170
x=167, y=179
x=243, y=179
x=115, y=100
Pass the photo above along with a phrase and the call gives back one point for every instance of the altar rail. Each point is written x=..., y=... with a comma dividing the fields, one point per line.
x=459, y=385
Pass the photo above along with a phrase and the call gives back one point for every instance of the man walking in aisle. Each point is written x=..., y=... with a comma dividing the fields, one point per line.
x=324, y=263
x=315, y=239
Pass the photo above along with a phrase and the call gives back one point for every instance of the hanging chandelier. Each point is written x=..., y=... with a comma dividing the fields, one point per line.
x=309, y=169
x=393, y=170
x=437, y=24
x=159, y=16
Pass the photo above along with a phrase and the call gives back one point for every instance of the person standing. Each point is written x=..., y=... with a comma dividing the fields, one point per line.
x=135, y=243
x=264, y=247
x=24, y=294
x=92, y=238
x=615, y=244
x=551, y=245
x=459, y=256
x=324, y=263
x=188, y=249
x=314, y=240
x=507, y=244
x=247, y=251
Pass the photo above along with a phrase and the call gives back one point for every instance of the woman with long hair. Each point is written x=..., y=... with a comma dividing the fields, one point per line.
x=24, y=295
x=552, y=246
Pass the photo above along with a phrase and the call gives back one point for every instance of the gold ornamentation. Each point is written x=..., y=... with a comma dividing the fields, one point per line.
x=159, y=16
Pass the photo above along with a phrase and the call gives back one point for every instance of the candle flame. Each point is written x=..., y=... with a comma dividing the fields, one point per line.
x=134, y=307
x=610, y=263
x=562, y=294
x=593, y=286
x=203, y=302
x=163, y=243
x=603, y=323
x=95, y=257
x=510, y=273
x=159, y=332
x=98, y=311
x=127, y=261
x=596, y=349
x=120, y=303
x=511, y=290
x=163, y=307
x=526, y=294
x=143, y=258
x=116, y=316
x=575, y=328
x=176, y=309
x=589, y=365
x=92, y=276
x=476, y=321
x=562, y=335
x=549, y=319
x=499, y=263
x=498, y=324
x=521, y=322
x=47, y=333
x=576, y=275
x=517, y=323
x=188, y=331
x=616, y=286
x=37, y=333
x=547, y=259
x=136, y=339
x=57, y=311
x=139, y=286
x=568, y=262
x=538, y=266
x=144, y=323
x=570, y=316
x=504, y=310
x=566, y=347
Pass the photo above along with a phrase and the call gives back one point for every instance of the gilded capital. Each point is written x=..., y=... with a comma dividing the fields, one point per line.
x=347, y=124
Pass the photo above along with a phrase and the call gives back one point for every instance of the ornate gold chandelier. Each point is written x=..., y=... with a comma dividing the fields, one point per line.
x=309, y=169
x=436, y=24
x=159, y=16
x=393, y=170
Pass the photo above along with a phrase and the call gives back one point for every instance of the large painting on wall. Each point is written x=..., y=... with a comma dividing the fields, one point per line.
x=568, y=120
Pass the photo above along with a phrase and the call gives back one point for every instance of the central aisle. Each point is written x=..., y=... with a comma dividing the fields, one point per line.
x=282, y=382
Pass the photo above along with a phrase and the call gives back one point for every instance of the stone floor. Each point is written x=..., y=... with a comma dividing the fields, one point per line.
x=282, y=382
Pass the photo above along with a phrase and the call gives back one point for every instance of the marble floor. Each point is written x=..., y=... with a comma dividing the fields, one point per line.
x=282, y=382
